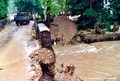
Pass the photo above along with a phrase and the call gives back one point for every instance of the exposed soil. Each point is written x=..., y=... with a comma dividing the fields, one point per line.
x=63, y=28
x=43, y=64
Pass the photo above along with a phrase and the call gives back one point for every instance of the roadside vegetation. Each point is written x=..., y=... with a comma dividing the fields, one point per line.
x=104, y=12
x=98, y=20
x=3, y=12
x=96, y=16
x=3, y=9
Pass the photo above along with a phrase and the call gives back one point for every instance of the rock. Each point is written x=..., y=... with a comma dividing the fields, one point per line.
x=1, y=68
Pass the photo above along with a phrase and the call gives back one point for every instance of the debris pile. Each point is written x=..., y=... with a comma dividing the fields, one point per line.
x=62, y=30
x=43, y=64
x=66, y=73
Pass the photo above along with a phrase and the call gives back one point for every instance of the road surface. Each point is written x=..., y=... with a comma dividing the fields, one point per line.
x=14, y=61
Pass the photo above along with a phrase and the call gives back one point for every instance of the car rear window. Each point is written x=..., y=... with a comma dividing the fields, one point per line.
x=22, y=14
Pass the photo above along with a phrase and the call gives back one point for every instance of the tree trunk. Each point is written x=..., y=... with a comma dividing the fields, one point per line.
x=90, y=38
x=47, y=23
x=90, y=4
x=47, y=16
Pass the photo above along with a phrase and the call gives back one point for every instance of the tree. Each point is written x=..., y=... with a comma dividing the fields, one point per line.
x=3, y=8
x=46, y=7
x=52, y=7
x=30, y=6
x=55, y=6
x=89, y=10
x=115, y=9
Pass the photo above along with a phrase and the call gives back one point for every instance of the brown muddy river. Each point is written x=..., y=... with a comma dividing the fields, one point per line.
x=93, y=62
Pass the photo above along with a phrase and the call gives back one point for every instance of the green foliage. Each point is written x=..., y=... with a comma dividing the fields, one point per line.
x=41, y=6
x=77, y=6
x=115, y=8
x=31, y=6
x=89, y=12
x=3, y=8
x=93, y=11
x=55, y=6
x=107, y=25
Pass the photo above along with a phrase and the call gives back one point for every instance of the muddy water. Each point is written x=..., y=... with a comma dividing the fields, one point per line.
x=94, y=62
x=14, y=61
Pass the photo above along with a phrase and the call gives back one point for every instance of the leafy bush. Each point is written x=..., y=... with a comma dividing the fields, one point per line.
x=30, y=6
x=89, y=12
x=3, y=9
x=107, y=26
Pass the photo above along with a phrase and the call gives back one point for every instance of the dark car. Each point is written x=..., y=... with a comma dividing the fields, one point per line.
x=3, y=22
x=22, y=18
x=1, y=26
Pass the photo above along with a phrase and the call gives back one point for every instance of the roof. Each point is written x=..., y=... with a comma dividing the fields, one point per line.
x=42, y=27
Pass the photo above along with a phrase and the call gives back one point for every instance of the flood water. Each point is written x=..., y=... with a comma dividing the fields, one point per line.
x=14, y=61
x=93, y=62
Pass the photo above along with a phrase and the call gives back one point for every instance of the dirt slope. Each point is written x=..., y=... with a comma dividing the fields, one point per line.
x=63, y=28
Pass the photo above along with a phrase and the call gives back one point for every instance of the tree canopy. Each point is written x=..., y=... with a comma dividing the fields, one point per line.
x=30, y=6
x=91, y=11
x=115, y=9
x=3, y=8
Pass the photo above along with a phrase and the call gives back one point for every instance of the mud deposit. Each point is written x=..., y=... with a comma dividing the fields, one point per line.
x=14, y=61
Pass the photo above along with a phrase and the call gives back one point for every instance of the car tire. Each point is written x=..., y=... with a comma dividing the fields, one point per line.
x=27, y=22
x=17, y=23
